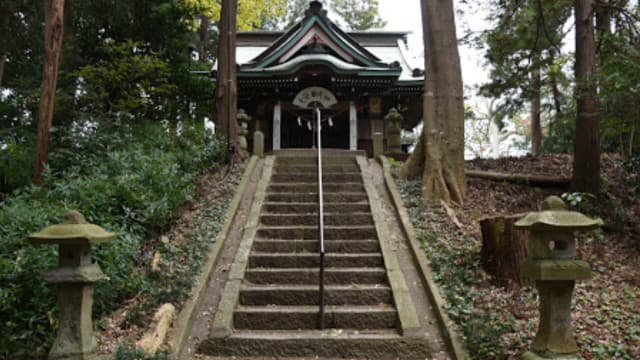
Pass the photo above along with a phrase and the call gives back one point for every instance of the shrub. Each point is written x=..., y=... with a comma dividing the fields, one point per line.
x=130, y=179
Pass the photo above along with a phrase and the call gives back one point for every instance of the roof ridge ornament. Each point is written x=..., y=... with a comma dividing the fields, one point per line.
x=315, y=8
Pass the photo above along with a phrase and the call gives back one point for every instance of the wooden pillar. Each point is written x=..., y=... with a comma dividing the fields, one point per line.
x=277, y=123
x=353, y=126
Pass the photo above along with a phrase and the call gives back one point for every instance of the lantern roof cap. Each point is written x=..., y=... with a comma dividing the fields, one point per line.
x=554, y=215
x=74, y=230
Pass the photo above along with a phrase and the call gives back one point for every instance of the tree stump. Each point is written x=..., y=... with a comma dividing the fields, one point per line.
x=504, y=248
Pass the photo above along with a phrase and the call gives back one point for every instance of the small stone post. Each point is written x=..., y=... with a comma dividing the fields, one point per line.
x=551, y=263
x=258, y=144
x=377, y=145
x=243, y=120
x=394, y=141
x=74, y=278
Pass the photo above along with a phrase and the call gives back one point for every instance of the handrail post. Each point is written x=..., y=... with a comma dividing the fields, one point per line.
x=320, y=219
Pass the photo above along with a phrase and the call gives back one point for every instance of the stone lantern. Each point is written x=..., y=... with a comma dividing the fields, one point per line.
x=394, y=141
x=74, y=278
x=243, y=125
x=552, y=264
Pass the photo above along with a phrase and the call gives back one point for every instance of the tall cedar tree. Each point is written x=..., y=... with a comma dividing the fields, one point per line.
x=439, y=154
x=586, y=163
x=227, y=89
x=54, y=24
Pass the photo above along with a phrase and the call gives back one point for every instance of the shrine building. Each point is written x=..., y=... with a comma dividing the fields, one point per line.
x=354, y=77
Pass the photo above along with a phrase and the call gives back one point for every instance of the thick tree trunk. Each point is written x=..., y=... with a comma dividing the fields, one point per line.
x=227, y=90
x=3, y=58
x=54, y=19
x=203, y=32
x=536, y=124
x=441, y=155
x=504, y=248
x=586, y=164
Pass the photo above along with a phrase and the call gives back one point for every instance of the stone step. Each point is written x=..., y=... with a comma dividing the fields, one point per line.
x=380, y=344
x=311, y=232
x=296, y=260
x=306, y=317
x=313, y=219
x=313, y=187
x=342, y=276
x=354, y=294
x=311, y=208
x=312, y=160
x=311, y=178
x=313, y=168
x=311, y=246
x=313, y=197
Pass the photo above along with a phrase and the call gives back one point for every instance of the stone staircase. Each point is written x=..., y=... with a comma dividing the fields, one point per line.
x=270, y=305
x=281, y=290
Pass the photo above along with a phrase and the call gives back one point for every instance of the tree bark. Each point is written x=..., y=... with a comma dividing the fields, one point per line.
x=441, y=155
x=227, y=90
x=504, y=248
x=536, y=123
x=586, y=164
x=523, y=179
x=203, y=32
x=54, y=25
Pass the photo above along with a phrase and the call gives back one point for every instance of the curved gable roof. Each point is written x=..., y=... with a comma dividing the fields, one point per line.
x=315, y=27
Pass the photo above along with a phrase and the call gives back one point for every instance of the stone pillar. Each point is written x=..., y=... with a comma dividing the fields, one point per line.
x=353, y=126
x=277, y=123
x=394, y=141
x=551, y=263
x=377, y=145
x=258, y=144
x=74, y=278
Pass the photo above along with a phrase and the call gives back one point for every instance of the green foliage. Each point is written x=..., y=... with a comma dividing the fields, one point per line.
x=578, y=199
x=619, y=82
x=130, y=179
x=125, y=82
x=455, y=262
x=359, y=14
x=129, y=352
x=16, y=160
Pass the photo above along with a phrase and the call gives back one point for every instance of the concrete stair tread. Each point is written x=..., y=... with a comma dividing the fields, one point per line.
x=317, y=334
x=313, y=309
x=315, y=254
x=363, y=227
x=305, y=287
x=315, y=213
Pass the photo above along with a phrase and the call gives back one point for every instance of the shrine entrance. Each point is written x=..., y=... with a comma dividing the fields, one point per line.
x=300, y=135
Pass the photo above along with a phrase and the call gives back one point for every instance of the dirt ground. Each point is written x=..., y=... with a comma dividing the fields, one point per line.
x=607, y=308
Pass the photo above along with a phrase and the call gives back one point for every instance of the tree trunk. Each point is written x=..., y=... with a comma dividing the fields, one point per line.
x=54, y=20
x=504, y=248
x=536, y=124
x=203, y=32
x=586, y=164
x=227, y=90
x=441, y=155
x=3, y=58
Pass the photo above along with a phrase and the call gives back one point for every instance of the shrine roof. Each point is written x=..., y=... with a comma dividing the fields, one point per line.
x=318, y=40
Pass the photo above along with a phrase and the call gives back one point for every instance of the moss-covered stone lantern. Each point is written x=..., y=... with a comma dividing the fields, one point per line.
x=74, y=278
x=243, y=125
x=394, y=140
x=552, y=264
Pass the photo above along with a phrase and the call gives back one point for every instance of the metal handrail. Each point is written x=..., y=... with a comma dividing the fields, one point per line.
x=320, y=218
